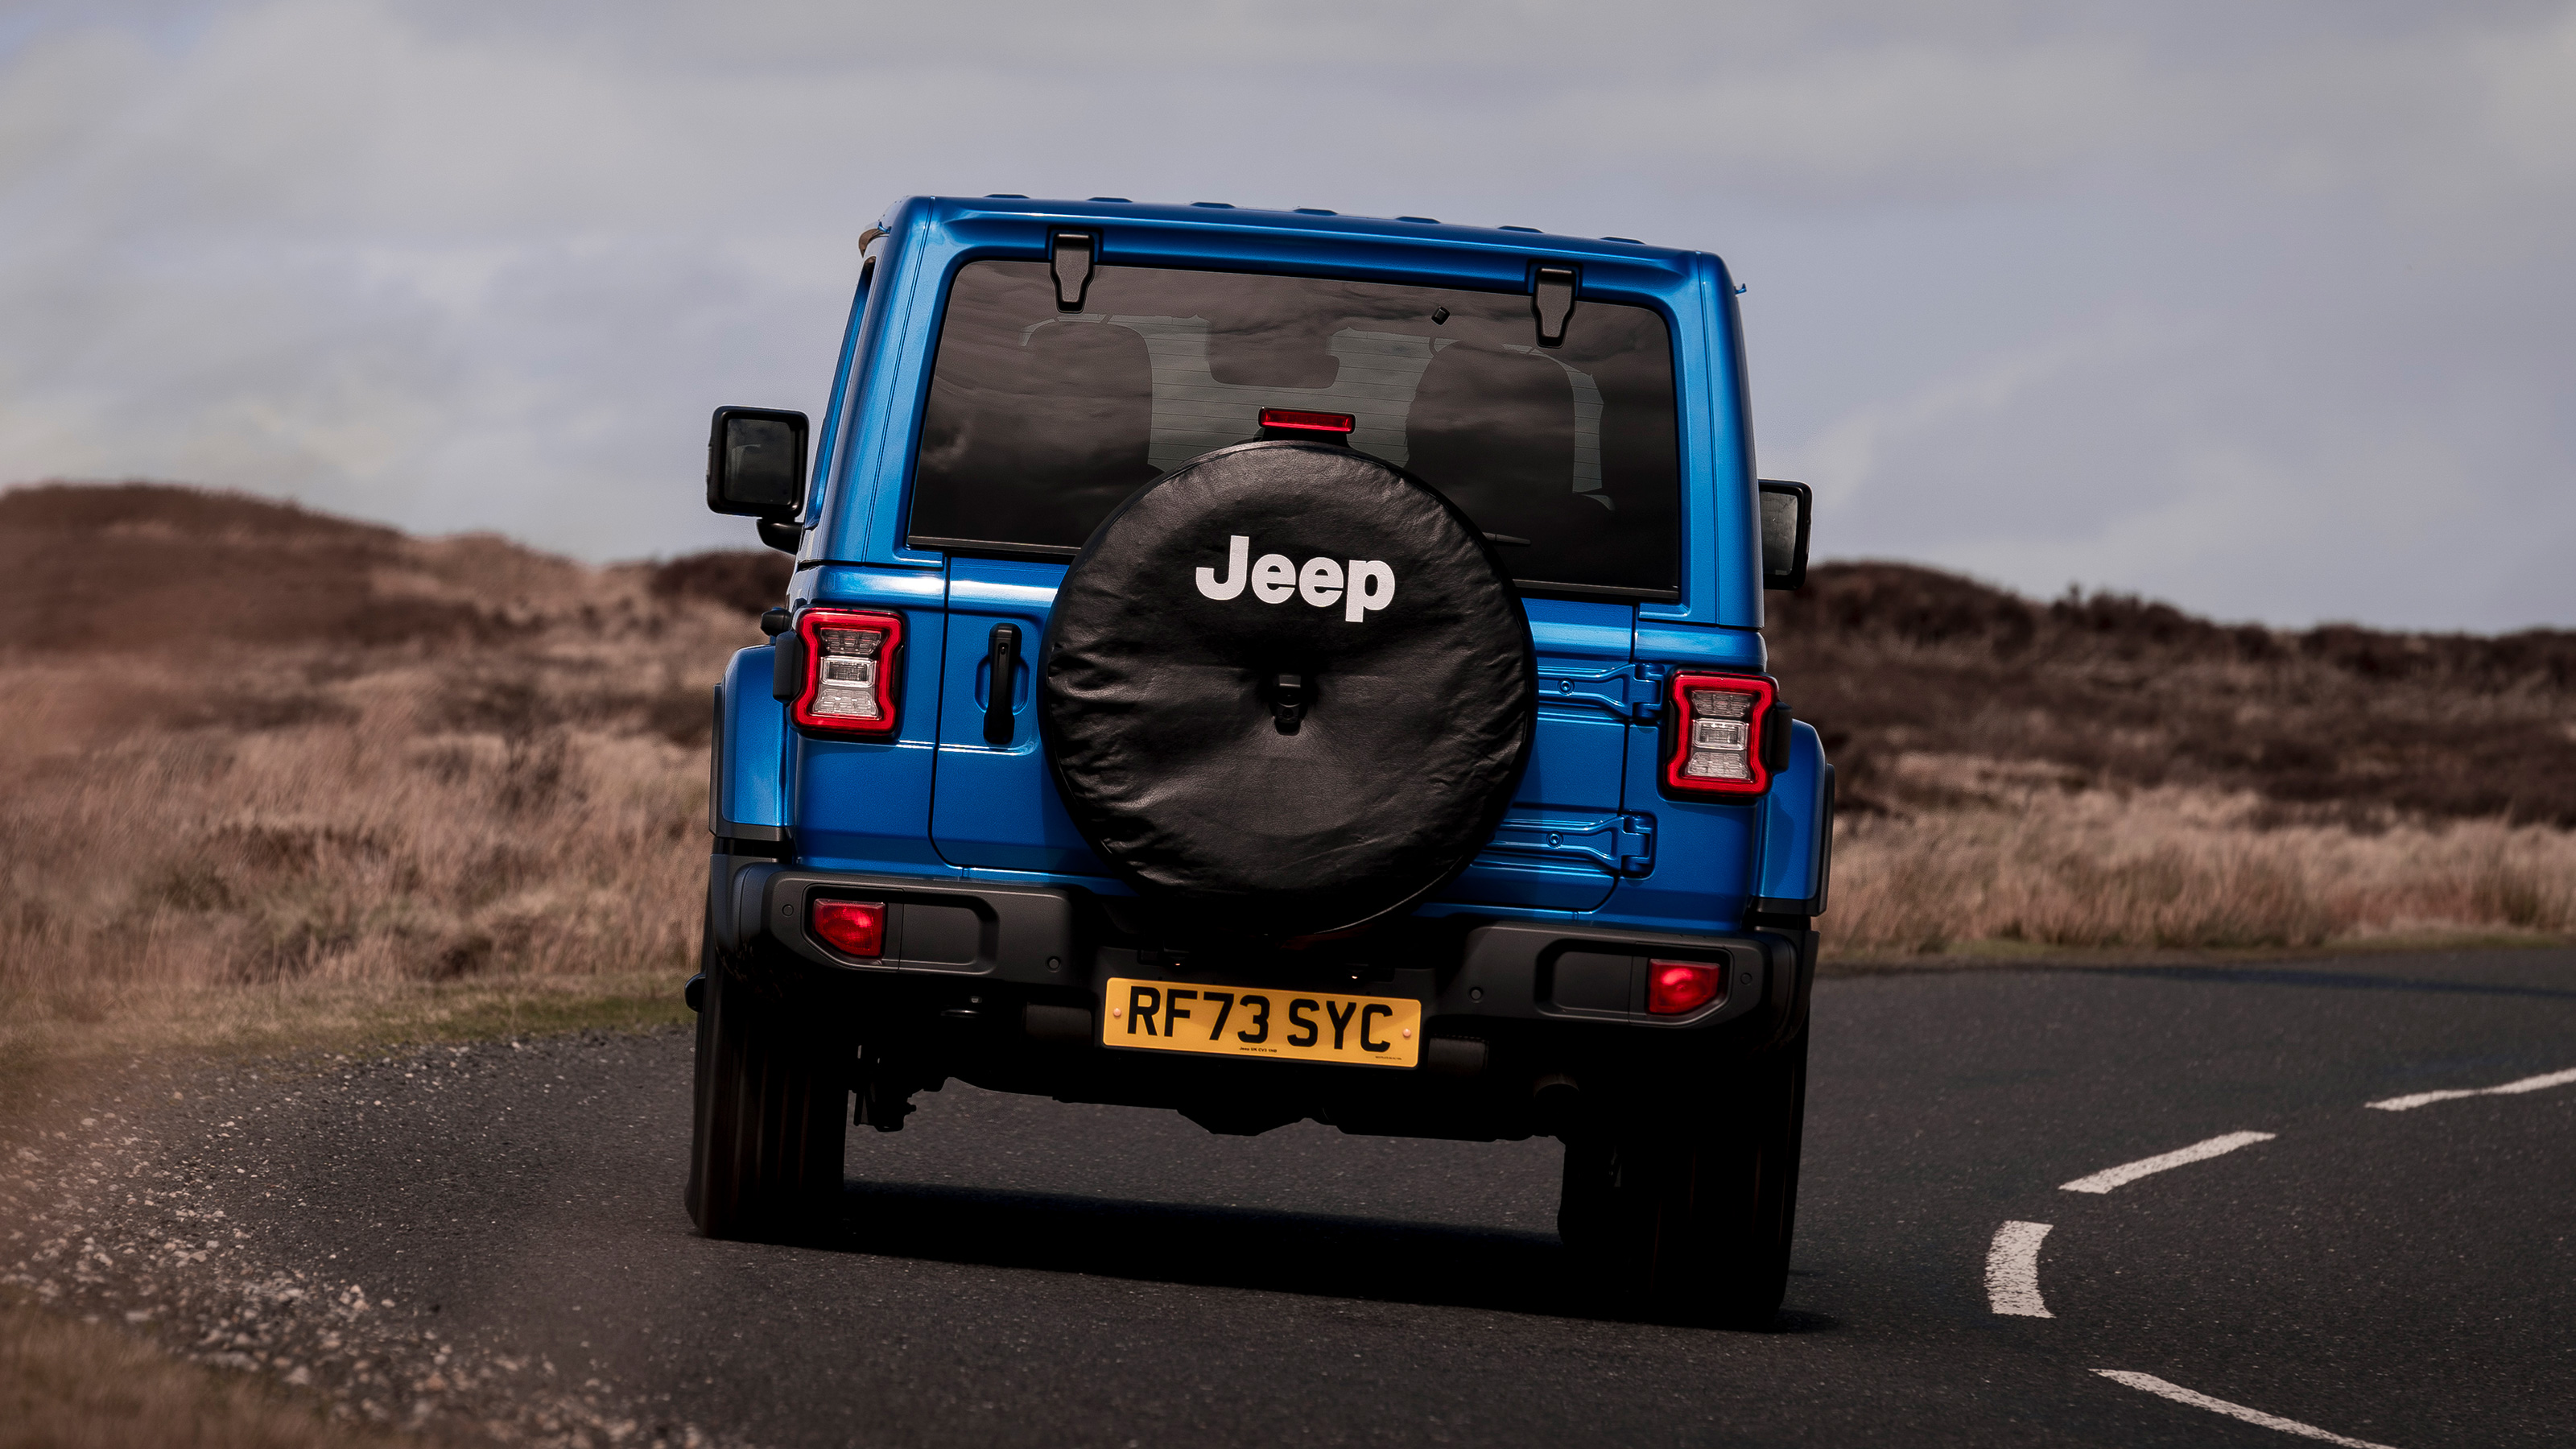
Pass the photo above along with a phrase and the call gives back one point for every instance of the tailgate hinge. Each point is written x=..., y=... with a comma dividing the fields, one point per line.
x=1635, y=843
x=1620, y=844
x=1646, y=690
x=1630, y=691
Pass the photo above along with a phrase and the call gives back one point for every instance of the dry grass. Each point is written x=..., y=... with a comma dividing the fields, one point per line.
x=2107, y=772
x=357, y=783
x=70, y=1385
x=2175, y=868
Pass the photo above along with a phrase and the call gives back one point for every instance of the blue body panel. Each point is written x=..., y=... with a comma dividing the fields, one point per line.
x=751, y=746
x=1587, y=836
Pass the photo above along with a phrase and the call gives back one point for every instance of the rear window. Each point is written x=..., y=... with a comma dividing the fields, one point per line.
x=1040, y=422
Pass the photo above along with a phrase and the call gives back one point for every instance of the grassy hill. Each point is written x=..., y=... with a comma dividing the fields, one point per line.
x=243, y=745
x=1904, y=667
x=2102, y=770
x=247, y=745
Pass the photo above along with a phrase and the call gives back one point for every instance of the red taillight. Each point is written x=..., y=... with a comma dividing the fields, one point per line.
x=1305, y=422
x=1715, y=744
x=853, y=928
x=850, y=661
x=1674, y=987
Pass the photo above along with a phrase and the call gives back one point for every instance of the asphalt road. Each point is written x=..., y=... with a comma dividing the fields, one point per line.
x=1016, y=1271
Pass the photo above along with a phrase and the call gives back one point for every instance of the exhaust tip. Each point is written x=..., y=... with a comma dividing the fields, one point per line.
x=1556, y=1101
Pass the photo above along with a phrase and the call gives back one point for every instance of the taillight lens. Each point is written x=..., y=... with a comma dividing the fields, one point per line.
x=1714, y=745
x=850, y=663
x=853, y=928
x=1675, y=987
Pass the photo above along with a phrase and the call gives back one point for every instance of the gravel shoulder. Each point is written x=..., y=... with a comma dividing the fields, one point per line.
x=167, y=1201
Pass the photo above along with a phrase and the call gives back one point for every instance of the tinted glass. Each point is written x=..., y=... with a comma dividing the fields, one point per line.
x=1779, y=532
x=1041, y=421
x=760, y=462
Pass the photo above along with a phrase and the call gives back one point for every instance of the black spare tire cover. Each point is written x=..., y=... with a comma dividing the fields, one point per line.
x=1161, y=689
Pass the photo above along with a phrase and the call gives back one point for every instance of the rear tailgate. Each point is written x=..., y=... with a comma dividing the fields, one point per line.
x=1565, y=843
x=994, y=804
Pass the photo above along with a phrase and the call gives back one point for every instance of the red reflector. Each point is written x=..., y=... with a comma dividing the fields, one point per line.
x=1673, y=987
x=1305, y=421
x=854, y=928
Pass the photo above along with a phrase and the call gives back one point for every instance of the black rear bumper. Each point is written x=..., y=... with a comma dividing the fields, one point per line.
x=1001, y=986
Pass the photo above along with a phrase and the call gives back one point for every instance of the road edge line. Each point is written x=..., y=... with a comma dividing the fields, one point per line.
x=2516, y=1088
x=2127, y=1172
x=2180, y=1395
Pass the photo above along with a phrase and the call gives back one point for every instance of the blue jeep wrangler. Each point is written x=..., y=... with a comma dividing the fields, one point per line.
x=1275, y=665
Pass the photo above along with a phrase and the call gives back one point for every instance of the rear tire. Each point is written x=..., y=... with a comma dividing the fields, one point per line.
x=1691, y=1222
x=770, y=1117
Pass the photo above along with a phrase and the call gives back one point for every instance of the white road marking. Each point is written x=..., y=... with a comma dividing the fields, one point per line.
x=2527, y=1084
x=2012, y=1271
x=2181, y=1395
x=2112, y=1177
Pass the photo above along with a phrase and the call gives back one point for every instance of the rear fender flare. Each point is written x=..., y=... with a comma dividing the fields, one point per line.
x=1796, y=862
x=747, y=778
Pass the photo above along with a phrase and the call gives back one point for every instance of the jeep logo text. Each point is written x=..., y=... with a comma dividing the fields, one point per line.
x=1364, y=585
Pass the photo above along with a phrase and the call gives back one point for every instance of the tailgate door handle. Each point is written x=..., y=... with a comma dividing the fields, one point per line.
x=997, y=699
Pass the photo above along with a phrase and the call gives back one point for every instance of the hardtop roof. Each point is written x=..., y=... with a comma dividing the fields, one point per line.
x=1317, y=222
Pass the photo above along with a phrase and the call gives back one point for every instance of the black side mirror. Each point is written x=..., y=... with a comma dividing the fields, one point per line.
x=756, y=467
x=1786, y=509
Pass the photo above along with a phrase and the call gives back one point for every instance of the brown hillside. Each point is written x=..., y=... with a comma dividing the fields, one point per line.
x=1893, y=661
x=245, y=743
x=149, y=566
x=262, y=614
x=240, y=741
x=156, y=568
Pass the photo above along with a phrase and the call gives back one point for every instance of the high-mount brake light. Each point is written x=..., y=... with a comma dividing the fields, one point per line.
x=1676, y=987
x=853, y=928
x=850, y=672
x=1713, y=741
x=1297, y=420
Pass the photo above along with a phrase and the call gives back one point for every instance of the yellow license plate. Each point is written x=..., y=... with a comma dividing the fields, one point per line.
x=1239, y=1021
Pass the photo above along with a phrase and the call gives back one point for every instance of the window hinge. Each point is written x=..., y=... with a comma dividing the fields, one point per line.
x=1552, y=301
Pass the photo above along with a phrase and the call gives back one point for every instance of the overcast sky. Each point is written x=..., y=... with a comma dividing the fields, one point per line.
x=2264, y=309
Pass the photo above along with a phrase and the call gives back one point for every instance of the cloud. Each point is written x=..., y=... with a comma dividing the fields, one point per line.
x=2043, y=290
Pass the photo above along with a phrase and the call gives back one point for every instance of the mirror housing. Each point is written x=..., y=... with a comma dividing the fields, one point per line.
x=1787, y=509
x=756, y=465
